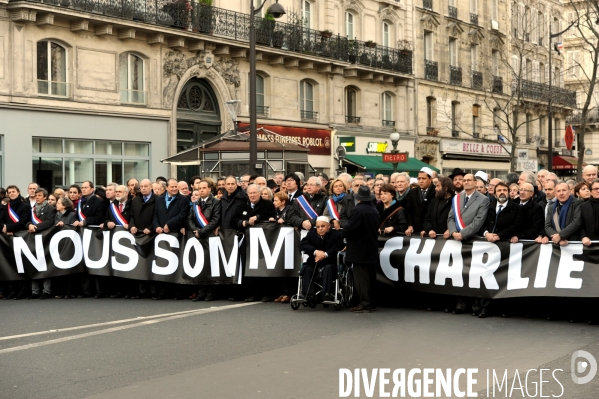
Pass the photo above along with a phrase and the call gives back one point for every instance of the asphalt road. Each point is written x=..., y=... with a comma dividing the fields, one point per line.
x=116, y=348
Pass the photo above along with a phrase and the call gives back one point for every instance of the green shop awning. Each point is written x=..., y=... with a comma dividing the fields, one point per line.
x=374, y=163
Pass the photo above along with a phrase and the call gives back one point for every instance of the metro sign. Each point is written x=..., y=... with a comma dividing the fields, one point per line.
x=395, y=158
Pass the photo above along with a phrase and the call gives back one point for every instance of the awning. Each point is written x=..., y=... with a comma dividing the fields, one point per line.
x=565, y=162
x=374, y=163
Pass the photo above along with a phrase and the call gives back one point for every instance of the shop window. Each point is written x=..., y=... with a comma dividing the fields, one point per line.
x=131, y=77
x=52, y=69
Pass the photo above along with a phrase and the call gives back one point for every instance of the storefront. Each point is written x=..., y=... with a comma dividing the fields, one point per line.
x=228, y=154
x=372, y=165
x=472, y=156
x=565, y=166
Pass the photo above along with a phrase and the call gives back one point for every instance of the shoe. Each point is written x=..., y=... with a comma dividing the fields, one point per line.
x=34, y=296
x=11, y=295
x=197, y=299
x=505, y=315
x=46, y=296
x=474, y=314
x=135, y=296
x=286, y=299
x=192, y=296
x=209, y=298
x=483, y=315
x=266, y=299
x=99, y=295
x=360, y=309
x=458, y=311
x=117, y=295
x=200, y=297
x=447, y=311
x=279, y=299
x=59, y=296
x=328, y=298
x=250, y=299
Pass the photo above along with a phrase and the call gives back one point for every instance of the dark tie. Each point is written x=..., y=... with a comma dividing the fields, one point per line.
x=290, y=197
x=423, y=194
x=203, y=203
x=496, y=216
x=559, y=209
x=168, y=201
x=466, y=201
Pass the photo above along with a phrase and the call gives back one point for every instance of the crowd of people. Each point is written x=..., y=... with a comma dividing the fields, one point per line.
x=341, y=213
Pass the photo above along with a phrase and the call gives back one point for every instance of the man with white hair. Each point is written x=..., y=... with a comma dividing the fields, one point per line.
x=311, y=204
x=402, y=187
x=539, y=196
x=301, y=177
x=542, y=176
x=183, y=188
x=260, y=181
x=345, y=178
x=589, y=173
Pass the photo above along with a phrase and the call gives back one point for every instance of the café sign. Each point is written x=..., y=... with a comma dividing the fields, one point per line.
x=489, y=149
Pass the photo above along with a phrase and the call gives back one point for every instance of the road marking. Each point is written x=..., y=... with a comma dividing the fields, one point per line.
x=154, y=319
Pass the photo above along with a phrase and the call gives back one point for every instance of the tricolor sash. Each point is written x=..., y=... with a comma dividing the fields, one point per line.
x=80, y=212
x=13, y=215
x=457, y=213
x=34, y=219
x=303, y=202
x=332, y=209
x=197, y=211
x=118, y=216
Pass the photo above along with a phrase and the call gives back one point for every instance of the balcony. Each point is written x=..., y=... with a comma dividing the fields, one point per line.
x=354, y=120
x=455, y=75
x=455, y=133
x=54, y=89
x=497, y=84
x=206, y=20
x=428, y=4
x=431, y=131
x=431, y=70
x=452, y=11
x=542, y=92
x=388, y=123
x=576, y=118
x=309, y=115
x=477, y=80
x=262, y=110
x=474, y=19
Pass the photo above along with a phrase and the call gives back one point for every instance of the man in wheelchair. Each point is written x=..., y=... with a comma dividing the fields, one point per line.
x=321, y=245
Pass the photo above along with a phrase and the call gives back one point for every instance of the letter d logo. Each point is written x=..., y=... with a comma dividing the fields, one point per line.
x=581, y=366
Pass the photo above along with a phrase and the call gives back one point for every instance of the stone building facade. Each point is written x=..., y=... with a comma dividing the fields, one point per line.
x=104, y=91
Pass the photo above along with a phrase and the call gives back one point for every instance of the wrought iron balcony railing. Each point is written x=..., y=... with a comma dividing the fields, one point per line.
x=455, y=75
x=352, y=119
x=431, y=70
x=452, y=11
x=497, y=84
x=262, y=110
x=309, y=115
x=542, y=92
x=204, y=19
x=477, y=80
x=592, y=116
x=428, y=4
x=474, y=19
x=388, y=123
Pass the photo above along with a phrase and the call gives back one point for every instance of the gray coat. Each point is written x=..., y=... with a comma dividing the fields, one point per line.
x=573, y=222
x=474, y=214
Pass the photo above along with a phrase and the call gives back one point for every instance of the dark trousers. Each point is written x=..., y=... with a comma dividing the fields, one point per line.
x=309, y=283
x=364, y=280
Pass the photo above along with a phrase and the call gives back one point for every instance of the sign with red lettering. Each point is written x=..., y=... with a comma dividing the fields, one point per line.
x=483, y=148
x=395, y=158
x=318, y=141
x=569, y=137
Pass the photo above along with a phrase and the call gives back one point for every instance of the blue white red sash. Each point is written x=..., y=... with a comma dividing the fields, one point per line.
x=457, y=213
x=332, y=209
x=303, y=202
x=80, y=212
x=34, y=219
x=197, y=211
x=117, y=215
x=13, y=215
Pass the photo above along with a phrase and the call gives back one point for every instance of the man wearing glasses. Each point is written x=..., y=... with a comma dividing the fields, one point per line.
x=532, y=213
x=311, y=204
x=245, y=181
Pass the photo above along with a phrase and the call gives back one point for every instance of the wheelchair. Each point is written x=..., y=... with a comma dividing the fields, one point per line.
x=344, y=287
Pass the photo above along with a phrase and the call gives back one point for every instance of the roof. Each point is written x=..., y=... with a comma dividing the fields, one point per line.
x=375, y=163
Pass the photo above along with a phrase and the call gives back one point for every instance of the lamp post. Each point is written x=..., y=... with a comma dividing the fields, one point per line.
x=394, y=140
x=549, y=109
x=233, y=108
x=277, y=11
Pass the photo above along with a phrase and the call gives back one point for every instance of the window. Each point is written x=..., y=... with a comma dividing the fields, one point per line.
x=428, y=46
x=542, y=129
x=474, y=57
x=386, y=40
x=52, y=69
x=306, y=100
x=431, y=114
x=351, y=99
x=387, y=102
x=260, y=107
x=454, y=118
x=574, y=61
x=132, y=79
x=495, y=62
x=528, y=127
x=453, y=52
x=494, y=10
x=349, y=25
x=541, y=27
x=473, y=7
x=257, y=4
x=60, y=162
x=528, y=71
x=306, y=10
x=475, y=120
x=556, y=77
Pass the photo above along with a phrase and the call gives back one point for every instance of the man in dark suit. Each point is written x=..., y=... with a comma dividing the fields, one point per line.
x=313, y=200
x=435, y=221
x=292, y=184
x=142, y=209
x=42, y=218
x=564, y=221
x=503, y=223
x=533, y=215
x=361, y=233
x=90, y=209
x=418, y=200
x=350, y=201
x=231, y=203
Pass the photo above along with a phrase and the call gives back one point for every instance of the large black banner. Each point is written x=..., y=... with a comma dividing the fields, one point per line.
x=475, y=268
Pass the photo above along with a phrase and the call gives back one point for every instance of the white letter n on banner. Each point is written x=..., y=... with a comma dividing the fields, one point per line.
x=20, y=248
x=258, y=242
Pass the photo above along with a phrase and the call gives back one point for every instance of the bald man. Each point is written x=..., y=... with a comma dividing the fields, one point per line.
x=589, y=173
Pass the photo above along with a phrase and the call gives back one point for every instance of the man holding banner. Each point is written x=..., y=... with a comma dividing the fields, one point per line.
x=312, y=204
x=42, y=218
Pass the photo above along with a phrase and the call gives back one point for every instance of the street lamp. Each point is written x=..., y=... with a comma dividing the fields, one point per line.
x=394, y=140
x=233, y=108
x=277, y=11
x=549, y=110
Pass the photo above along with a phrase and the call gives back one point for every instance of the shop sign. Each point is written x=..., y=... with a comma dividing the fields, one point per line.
x=376, y=147
x=475, y=148
x=318, y=141
x=349, y=143
x=530, y=165
x=395, y=158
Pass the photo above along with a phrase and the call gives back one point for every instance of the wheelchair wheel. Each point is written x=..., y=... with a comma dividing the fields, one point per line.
x=347, y=287
x=294, y=305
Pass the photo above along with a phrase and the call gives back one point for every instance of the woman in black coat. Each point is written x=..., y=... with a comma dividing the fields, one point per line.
x=391, y=214
x=284, y=212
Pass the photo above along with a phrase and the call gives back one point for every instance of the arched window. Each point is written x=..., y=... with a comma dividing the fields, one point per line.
x=387, y=107
x=386, y=34
x=307, y=14
x=52, y=69
x=307, y=100
x=131, y=78
x=351, y=100
x=261, y=109
x=349, y=25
